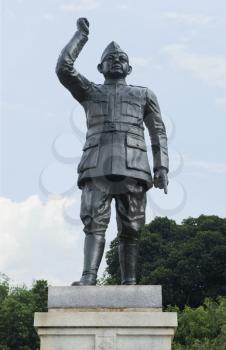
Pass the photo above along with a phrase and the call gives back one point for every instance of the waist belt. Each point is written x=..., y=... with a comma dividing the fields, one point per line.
x=111, y=127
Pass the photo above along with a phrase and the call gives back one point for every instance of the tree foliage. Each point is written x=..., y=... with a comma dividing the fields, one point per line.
x=188, y=259
x=17, y=308
x=203, y=328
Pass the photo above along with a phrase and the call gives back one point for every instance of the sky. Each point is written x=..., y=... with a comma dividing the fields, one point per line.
x=176, y=48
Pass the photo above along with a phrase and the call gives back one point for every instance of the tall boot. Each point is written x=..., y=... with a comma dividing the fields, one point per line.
x=93, y=252
x=128, y=262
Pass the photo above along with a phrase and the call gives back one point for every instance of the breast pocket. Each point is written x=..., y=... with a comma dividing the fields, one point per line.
x=136, y=154
x=130, y=108
x=98, y=108
x=90, y=154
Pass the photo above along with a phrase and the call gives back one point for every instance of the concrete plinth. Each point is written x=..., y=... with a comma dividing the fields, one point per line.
x=105, y=318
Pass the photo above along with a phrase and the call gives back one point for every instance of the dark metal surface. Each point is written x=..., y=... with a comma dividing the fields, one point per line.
x=114, y=163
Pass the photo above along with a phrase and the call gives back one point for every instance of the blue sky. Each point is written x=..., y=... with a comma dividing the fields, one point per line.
x=176, y=48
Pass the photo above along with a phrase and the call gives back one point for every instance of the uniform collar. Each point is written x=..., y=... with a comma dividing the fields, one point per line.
x=115, y=82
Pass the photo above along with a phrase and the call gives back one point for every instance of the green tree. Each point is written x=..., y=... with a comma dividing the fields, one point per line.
x=203, y=328
x=17, y=307
x=188, y=259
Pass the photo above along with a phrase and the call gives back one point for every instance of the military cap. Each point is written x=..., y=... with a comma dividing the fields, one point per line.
x=112, y=48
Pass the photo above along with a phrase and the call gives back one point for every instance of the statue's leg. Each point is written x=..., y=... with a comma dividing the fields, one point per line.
x=93, y=252
x=95, y=215
x=130, y=208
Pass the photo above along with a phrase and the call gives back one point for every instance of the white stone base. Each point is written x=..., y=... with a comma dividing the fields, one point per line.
x=105, y=330
x=105, y=318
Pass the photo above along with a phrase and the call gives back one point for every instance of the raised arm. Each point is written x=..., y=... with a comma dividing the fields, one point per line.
x=157, y=132
x=76, y=83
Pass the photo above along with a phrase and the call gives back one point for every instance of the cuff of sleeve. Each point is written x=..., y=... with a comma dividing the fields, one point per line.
x=161, y=167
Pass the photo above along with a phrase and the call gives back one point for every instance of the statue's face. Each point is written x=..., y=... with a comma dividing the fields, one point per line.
x=115, y=65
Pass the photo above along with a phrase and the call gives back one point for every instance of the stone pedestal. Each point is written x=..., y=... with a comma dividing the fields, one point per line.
x=105, y=318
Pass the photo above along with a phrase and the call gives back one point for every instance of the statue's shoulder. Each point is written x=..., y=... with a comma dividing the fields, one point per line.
x=144, y=88
x=98, y=86
x=139, y=90
x=144, y=91
x=138, y=87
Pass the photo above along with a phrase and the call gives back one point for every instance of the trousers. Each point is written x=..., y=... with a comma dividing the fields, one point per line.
x=130, y=203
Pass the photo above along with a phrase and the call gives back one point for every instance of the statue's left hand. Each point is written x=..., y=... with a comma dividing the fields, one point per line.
x=161, y=179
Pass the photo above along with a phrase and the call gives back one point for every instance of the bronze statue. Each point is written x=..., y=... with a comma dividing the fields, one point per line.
x=114, y=163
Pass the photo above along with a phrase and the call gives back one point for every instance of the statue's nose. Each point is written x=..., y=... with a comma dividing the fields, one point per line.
x=116, y=60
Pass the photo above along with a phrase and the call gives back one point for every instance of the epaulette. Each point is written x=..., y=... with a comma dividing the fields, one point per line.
x=143, y=87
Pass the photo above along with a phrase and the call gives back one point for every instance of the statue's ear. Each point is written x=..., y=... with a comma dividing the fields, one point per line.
x=99, y=68
x=130, y=70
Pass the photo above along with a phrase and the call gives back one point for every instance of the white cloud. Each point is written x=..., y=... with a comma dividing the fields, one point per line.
x=123, y=7
x=221, y=102
x=9, y=13
x=37, y=242
x=139, y=61
x=49, y=17
x=210, y=167
x=209, y=68
x=81, y=5
x=188, y=19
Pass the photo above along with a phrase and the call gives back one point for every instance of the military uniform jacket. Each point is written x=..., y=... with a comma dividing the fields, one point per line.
x=115, y=114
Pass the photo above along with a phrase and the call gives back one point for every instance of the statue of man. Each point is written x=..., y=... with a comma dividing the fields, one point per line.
x=114, y=163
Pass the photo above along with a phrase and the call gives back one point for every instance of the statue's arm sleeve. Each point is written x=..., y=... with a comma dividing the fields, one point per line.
x=157, y=131
x=75, y=82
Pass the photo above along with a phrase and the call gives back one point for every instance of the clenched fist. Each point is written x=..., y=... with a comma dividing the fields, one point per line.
x=161, y=179
x=83, y=25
